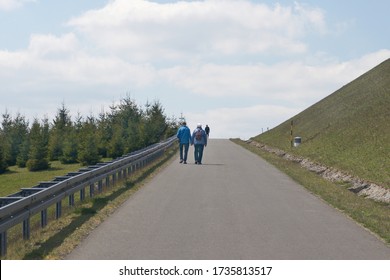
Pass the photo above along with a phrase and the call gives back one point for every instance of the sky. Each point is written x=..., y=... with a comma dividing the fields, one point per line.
x=240, y=66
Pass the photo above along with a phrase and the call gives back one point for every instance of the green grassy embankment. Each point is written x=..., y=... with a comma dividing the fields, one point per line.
x=348, y=130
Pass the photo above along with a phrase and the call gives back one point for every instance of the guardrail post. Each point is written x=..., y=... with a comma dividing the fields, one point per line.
x=100, y=186
x=26, y=229
x=107, y=181
x=91, y=190
x=3, y=243
x=58, y=209
x=71, y=199
x=43, y=218
x=82, y=194
x=114, y=179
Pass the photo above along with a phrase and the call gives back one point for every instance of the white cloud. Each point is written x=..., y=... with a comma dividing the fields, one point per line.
x=295, y=83
x=8, y=5
x=50, y=45
x=199, y=29
x=62, y=59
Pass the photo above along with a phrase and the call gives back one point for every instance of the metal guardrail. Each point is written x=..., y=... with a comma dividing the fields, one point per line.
x=20, y=207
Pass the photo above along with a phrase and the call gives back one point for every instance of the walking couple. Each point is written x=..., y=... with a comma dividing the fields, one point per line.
x=198, y=139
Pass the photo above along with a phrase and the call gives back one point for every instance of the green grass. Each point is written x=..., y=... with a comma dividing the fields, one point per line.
x=374, y=216
x=16, y=178
x=349, y=129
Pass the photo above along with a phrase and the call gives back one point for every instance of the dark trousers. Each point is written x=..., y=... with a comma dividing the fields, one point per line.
x=198, y=154
x=184, y=151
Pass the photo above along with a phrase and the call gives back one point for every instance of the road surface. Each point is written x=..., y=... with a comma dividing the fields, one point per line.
x=234, y=206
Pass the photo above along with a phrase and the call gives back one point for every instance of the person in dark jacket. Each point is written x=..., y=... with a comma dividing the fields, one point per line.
x=207, y=130
x=199, y=140
x=184, y=136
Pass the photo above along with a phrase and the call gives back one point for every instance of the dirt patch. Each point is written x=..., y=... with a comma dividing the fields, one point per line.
x=358, y=186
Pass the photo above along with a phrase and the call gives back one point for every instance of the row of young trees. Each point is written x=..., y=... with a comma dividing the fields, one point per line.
x=125, y=128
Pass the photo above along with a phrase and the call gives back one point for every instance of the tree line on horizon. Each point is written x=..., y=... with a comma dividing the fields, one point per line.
x=127, y=127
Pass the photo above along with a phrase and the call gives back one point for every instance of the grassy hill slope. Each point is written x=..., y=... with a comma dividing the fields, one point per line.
x=349, y=129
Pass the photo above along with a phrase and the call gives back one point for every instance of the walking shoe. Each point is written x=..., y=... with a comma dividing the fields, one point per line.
x=185, y=162
x=196, y=162
x=181, y=161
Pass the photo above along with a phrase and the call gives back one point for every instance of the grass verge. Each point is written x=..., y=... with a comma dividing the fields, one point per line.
x=16, y=178
x=61, y=236
x=374, y=216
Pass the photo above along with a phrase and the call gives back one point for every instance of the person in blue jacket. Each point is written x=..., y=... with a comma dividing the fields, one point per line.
x=184, y=136
x=199, y=140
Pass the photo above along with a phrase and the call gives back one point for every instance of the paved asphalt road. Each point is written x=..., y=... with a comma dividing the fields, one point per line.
x=234, y=206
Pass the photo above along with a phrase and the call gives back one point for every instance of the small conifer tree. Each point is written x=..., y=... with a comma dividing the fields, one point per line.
x=37, y=157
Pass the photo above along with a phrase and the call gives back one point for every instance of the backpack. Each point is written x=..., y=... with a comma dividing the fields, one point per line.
x=198, y=135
